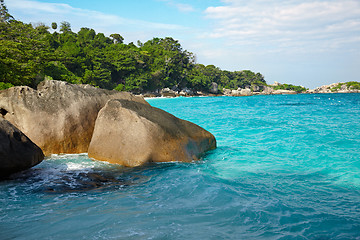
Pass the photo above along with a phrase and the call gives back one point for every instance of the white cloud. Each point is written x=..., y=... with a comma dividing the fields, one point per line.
x=286, y=24
x=49, y=12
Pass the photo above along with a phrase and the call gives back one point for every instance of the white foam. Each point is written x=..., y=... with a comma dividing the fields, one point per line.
x=67, y=155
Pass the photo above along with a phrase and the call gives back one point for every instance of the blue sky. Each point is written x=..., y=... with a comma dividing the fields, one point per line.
x=307, y=42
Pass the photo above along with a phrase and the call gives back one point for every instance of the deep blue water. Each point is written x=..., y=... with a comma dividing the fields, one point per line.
x=286, y=167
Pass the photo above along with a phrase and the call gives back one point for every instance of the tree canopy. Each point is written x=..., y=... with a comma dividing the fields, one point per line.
x=31, y=53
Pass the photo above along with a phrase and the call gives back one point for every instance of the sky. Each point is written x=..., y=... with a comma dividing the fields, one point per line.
x=301, y=42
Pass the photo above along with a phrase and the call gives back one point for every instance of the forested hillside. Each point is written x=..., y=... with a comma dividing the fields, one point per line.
x=30, y=53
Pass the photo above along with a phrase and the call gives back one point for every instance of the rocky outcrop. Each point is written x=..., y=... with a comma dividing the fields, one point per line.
x=58, y=117
x=227, y=92
x=323, y=89
x=186, y=92
x=267, y=90
x=133, y=134
x=246, y=92
x=167, y=92
x=334, y=88
x=238, y=92
x=17, y=152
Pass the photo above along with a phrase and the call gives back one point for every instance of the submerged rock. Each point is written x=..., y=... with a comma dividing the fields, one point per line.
x=17, y=152
x=59, y=117
x=133, y=134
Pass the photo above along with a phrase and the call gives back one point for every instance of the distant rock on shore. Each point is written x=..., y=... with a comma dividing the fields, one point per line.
x=59, y=117
x=334, y=88
x=237, y=92
x=17, y=152
x=248, y=92
x=132, y=134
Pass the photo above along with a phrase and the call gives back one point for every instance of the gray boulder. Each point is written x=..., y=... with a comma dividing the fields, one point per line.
x=167, y=92
x=214, y=88
x=245, y=92
x=227, y=92
x=17, y=152
x=58, y=117
x=133, y=134
x=268, y=90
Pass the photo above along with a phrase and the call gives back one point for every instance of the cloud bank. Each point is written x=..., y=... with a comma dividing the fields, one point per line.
x=288, y=25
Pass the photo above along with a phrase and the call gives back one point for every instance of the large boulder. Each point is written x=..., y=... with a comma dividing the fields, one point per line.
x=58, y=117
x=17, y=152
x=133, y=134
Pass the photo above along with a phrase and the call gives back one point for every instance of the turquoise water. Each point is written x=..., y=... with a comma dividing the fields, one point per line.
x=286, y=167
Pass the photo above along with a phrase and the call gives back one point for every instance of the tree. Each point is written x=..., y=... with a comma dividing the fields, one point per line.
x=41, y=27
x=65, y=27
x=86, y=36
x=4, y=13
x=54, y=25
x=23, y=52
x=117, y=38
x=168, y=62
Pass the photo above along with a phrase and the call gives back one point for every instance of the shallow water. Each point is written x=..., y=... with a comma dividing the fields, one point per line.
x=286, y=167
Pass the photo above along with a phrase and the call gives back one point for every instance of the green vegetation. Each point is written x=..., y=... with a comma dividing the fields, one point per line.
x=31, y=53
x=337, y=87
x=353, y=85
x=291, y=87
x=5, y=85
x=350, y=86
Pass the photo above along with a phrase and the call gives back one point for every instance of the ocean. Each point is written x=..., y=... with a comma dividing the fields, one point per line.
x=286, y=167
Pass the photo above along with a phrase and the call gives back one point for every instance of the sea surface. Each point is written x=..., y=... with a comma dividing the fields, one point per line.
x=286, y=167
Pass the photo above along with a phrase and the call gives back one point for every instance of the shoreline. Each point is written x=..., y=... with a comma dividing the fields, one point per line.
x=274, y=89
x=223, y=95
